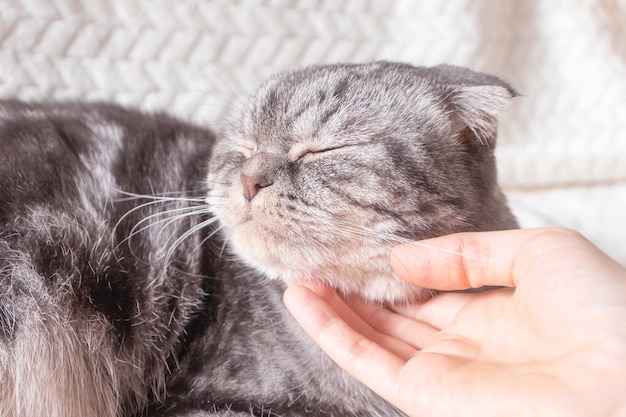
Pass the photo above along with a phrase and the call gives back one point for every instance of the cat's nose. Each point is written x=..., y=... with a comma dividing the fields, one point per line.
x=252, y=184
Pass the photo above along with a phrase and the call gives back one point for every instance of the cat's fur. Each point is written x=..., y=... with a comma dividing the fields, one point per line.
x=108, y=307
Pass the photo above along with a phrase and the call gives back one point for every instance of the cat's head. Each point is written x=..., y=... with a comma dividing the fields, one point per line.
x=326, y=167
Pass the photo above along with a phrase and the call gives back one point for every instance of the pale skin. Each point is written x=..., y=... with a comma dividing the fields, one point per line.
x=553, y=343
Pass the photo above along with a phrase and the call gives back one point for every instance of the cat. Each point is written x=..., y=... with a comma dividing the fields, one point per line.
x=143, y=259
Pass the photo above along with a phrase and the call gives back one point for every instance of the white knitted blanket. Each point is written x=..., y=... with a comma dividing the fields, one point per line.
x=562, y=150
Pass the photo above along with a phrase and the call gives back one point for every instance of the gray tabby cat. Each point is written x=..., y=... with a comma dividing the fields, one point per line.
x=143, y=260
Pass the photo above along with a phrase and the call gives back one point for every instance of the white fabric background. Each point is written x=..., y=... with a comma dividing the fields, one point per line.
x=562, y=149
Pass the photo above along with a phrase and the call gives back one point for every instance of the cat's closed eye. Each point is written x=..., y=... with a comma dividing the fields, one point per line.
x=246, y=150
x=308, y=154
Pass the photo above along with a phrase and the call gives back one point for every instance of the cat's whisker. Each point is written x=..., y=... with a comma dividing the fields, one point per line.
x=207, y=237
x=177, y=218
x=164, y=196
x=167, y=212
x=192, y=206
x=188, y=233
x=136, y=230
x=213, y=233
x=222, y=248
x=379, y=237
x=134, y=209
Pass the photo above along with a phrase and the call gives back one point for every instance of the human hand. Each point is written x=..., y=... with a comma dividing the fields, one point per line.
x=551, y=344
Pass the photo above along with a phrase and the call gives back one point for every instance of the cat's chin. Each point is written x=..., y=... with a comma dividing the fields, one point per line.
x=392, y=290
x=355, y=270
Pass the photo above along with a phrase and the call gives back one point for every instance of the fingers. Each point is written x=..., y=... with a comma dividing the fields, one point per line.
x=399, y=327
x=439, y=312
x=365, y=360
x=333, y=307
x=474, y=260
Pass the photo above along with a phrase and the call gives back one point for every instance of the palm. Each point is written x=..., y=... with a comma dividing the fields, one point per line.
x=488, y=352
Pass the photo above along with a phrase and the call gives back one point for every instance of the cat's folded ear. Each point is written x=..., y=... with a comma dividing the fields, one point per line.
x=477, y=100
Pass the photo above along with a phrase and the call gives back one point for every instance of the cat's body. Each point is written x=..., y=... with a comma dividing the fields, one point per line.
x=108, y=307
